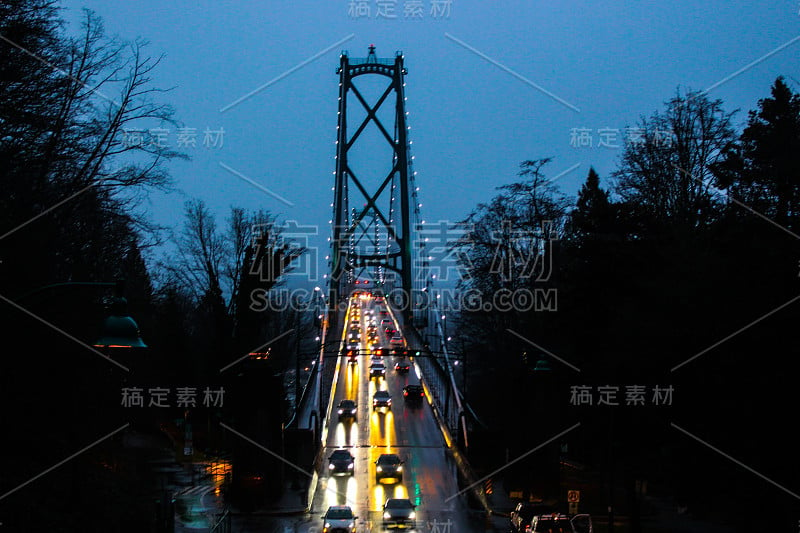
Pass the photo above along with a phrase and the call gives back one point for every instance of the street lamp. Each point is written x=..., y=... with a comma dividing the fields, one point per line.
x=119, y=330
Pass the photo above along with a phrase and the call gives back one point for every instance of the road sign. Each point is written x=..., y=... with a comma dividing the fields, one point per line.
x=573, y=496
x=573, y=508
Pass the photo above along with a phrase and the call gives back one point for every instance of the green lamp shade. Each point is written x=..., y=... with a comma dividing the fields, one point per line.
x=120, y=332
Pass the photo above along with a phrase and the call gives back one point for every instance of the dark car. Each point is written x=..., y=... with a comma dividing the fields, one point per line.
x=399, y=512
x=402, y=367
x=339, y=519
x=388, y=467
x=413, y=394
x=341, y=463
x=399, y=352
x=377, y=370
x=347, y=409
x=551, y=523
x=352, y=356
x=381, y=399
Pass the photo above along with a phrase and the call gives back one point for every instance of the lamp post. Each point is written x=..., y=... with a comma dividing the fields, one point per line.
x=320, y=364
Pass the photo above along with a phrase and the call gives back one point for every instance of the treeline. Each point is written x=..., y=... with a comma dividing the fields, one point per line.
x=71, y=214
x=681, y=271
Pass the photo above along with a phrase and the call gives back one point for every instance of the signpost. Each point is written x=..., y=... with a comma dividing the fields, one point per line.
x=573, y=498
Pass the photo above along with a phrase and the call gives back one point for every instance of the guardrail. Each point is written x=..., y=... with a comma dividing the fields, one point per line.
x=303, y=396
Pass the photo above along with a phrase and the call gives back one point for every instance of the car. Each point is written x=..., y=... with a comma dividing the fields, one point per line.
x=352, y=356
x=399, y=351
x=377, y=370
x=413, y=394
x=396, y=339
x=347, y=409
x=389, y=330
x=551, y=523
x=339, y=519
x=389, y=467
x=341, y=463
x=381, y=398
x=402, y=367
x=399, y=512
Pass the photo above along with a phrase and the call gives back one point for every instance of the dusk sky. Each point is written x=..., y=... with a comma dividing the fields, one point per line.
x=595, y=65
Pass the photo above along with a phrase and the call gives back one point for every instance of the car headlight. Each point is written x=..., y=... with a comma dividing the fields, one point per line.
x=353, y=411
x=412, y=515
x=341, y=411
x=379, y=469
x=399, y=468
x=387, y=516
x=327, y=525
x=350, y=466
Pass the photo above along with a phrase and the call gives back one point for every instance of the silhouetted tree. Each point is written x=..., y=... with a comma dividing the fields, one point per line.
x=762, y=170
x=667, y=170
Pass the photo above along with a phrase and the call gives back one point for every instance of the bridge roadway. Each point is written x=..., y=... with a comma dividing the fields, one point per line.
x=429, y=474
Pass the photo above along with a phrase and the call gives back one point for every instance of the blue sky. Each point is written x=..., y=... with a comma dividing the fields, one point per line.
x=472, y=122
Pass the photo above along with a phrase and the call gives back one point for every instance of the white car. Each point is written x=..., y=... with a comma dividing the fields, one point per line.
x=339, y=519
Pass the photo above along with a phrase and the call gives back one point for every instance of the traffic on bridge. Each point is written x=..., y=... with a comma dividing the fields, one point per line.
x=260, y=302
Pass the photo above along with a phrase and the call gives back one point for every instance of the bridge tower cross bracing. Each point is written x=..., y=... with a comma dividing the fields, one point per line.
x=374, y=220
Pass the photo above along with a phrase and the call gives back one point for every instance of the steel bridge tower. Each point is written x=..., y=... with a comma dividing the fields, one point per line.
x=373, y=230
